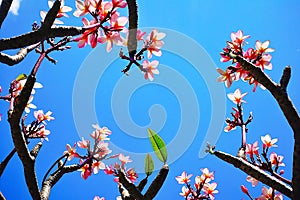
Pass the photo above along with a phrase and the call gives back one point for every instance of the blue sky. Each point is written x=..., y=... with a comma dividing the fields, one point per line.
x=178, y=103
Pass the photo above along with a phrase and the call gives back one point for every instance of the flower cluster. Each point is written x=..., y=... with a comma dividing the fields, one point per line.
x=271, y=165
x=259, y=56
x=203, y=188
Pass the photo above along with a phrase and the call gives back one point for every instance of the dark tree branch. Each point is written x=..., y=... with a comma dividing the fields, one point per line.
x=4, y=8
x=133, y=20
x=36, y=149
x=254, y=172
x=54, y=178
x=15, y=59
x=157, y=182
x=6, y=160
x=2, y=196
x=288, y=109
x=130, y=187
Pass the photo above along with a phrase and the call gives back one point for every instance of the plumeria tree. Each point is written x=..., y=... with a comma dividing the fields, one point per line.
x=102, y=24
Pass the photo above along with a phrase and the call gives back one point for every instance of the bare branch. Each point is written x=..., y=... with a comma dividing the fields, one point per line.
x=254, y=172
x=36, y=149
x=2, y=196
x=285, y=78
x=133, y=18
x=4, y=8
x=6, y=160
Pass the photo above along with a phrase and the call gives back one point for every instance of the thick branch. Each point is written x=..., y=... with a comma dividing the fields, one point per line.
x=157, y=182
x=6, y=160
x=54, y=178
x=36, y=149
x=130, y=187
x=288, y=109
x=255, y=172
x=133, y=18
x=2, y=196
x=15, y=59
x=4, y=8
x=19, y=139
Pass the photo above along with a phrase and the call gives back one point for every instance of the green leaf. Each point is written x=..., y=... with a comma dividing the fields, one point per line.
x=158, y=145
x=21, y=77
x=149, y=165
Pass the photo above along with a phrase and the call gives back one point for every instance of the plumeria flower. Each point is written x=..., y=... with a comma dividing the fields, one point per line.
x=29, y=105
x=237, y=97
x=229, y=127
x=119, y=3
x=206, y=176
x=109, y=170
x=102, y=150
x=185, y=191
x=184, y=178
x=268, y=194
x=264, y=62
x=84, y=144
x=111, y=38
x=71, y=151
x=98, y=198
x=124, y=159
x=151, y=69
x=83, y=7
x=101, y=133
x=154, y=43
x=268, y=141
x=252, y=149
x=85, y=171
x=131, y=175
x=252, y=180
x=41, y=117
x=97, y=165
x=20, y=85
x=276, y=160
x=238, y=38
x=43, y=133
x=90, y=36
x=118, y=23
x=61, y=13
x=210, y=190
x=263, y=47
x=102, y=9
x=225, y=76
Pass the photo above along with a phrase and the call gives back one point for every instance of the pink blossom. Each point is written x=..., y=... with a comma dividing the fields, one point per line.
x=89, y=36
x=71, y=151
x=98, y=198
x=29, y=105
x=154, y=43
x=41, y=117
x=184, y=178
x=252, y=149
x=85, y=171
x=252, y=180
x=97, y=165
x=237, y=97
x=185, y=191
x=210, y=189
x=206, y=176
x=151, y=69
x=124, y=159
x=84, y=144
x=276, y=160
x=83, y=7
x=268, y=141
x=119, y=3
x=263, y=47
x=111, y=38
x=238, y=38
x=226, y=76
x=268, y=194
x=264, y=62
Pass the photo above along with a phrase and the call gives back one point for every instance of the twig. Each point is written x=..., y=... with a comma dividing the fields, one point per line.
x=6, y=160
x=4, y=8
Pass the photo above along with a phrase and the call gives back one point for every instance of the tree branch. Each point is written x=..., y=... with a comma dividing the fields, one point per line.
x=254, y=172
x=288, y=109
x=2, y=196
x=18, y=57
x=133, y=18
x=6, y=160
x=4, y=8
x=36, y=149
x=54, y=178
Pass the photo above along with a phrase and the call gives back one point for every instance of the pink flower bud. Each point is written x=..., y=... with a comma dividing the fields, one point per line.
x=281, y=172
x=244, y=189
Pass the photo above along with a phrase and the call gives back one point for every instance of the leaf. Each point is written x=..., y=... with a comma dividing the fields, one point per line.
x=158, y=145
x=149, y=165
x=21, y=77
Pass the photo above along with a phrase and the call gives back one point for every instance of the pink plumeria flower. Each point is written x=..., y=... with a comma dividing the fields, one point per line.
x=252, y=180
x=252, y=149
x=198, y=182
x=98, y=198
x=29, y=105
x=151, y=69
x=131, y=175
x=140, y=35
x=229, y=127
x=206, y=176
x=43, y=133
x=184, y=178
x=238, y=38
x=84, y=144
x=268, y=141
x=268, y=194
x=82, y=8
x=101, y=133
x=237, y=97
x=20, y=85
x=109, y=170
x=61, y=13
x=263, y=47
x=110, y=39
x=89, y=36
x=41, y=117
x=119, y=3
x=71, y=151
x=210, y=190
x=185, y=192
x=85, y=171
x=276, y=160
x=154, y=43
x=97, y=165
x=118, y=23
x=124, y=159
x=264, y=62
x=102, y=150
x=225, y=76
